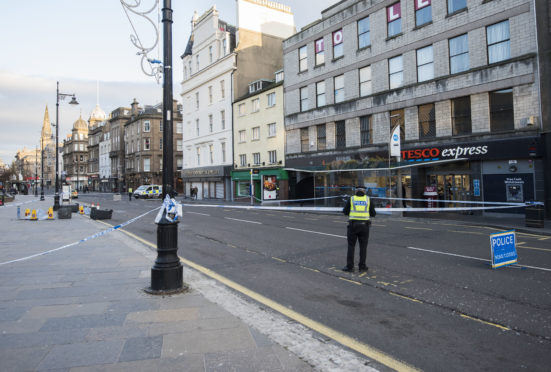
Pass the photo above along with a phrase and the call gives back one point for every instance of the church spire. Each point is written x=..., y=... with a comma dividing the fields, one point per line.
x=46, y=127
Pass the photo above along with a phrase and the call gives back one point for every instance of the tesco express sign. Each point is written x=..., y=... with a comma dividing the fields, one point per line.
x=444, y=153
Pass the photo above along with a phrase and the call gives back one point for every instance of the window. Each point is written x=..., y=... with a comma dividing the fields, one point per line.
x=394, y=19
x=340, y=134
x=146, y=144
x=179, y=163
x=425, y=64
x=302, y=59
x=210, y=124
x=423, y=12
x=256, y=158
x=320, y=94
x=242, y=136
x=241, y=108
x=243, y=160
x=222, y=89
x=256, y=133
x=223, y=119
x=427, y=121
x=338, y=82
x=366, y=134
x=459, y=54
x=272, y=156
x=501, y=110
x=197, y=126
x=322, y=137
x=190, y=67
x=304, y=99
x=197, y=62
x=319, y=49
x=198, y=152
x=223, y=149
x=304, y=140
x=160, y=144
x=397, y=118
x=146, y=126
x=224, y=46
x=211, y=153
x=185, y=72
x=210, y=54
x=271, y=130
x=179, y=128
x=499, y=45
x=364, y=39
x=396, y=72
x=461, y=115
x=197, y=100
x=365, y=81
x=179, y=145
x=456, y=5
x=210, y=95
x=338, y=50
x=160, y=126
x=271, y=99
x=147, y=165
x=256, y=104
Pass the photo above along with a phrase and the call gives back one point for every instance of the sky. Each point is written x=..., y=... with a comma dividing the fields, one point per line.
x=85, y=45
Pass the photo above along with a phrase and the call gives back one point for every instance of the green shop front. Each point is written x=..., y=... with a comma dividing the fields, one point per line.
x=269, y=184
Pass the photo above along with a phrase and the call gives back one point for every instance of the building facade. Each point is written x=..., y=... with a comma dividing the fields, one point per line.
x=117, y=119
x=458, y=78
x=96, y=123
x=104, y=160
x=259, y=142
x=143, y=137
x=219, y=62
x=75, y=156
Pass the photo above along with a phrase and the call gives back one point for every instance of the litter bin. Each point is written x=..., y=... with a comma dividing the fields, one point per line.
x=534, y=215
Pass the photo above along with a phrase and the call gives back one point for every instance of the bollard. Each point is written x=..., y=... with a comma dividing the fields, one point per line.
x=18, y=212
x=2, y=200
x=97, y=206
x=81, y=211
x=92, y=205
x=27, y=212
x=33, y=215
x=51, y=213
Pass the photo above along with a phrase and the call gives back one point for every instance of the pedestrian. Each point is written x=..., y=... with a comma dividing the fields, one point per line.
x=359, y=210
x=130, y=194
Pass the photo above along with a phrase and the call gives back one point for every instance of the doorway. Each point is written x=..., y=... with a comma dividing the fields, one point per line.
x=453, y=187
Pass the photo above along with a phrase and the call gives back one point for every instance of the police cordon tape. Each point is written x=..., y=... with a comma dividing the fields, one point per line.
x=96, y=235
x=20, y=204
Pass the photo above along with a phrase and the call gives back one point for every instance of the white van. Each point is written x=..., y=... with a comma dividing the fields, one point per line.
x=148, y=192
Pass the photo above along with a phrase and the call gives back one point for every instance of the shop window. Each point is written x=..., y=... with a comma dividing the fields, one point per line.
x=340, y=134
x=427, y=121
x=461, y=116
x=322, y=137
x=320, y=52
x=501, y=111
x=459, y=54
x=423, y=12
x=366, y=134
x=394, y=19
x=364, y=38
x=304, y=140
x=499, y=43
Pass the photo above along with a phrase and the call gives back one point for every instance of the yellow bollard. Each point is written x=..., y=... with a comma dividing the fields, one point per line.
x=27, y=212
x=51, y=213
x=81, y=209
x=33, y=215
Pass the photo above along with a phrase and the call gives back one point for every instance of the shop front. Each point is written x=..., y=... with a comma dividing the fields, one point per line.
x=207, y=183
x=269, y=184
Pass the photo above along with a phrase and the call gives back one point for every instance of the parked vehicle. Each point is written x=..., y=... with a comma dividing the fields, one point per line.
x=148, y=192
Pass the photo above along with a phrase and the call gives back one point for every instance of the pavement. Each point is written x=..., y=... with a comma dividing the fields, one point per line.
x=73, y=303
x=72, y=299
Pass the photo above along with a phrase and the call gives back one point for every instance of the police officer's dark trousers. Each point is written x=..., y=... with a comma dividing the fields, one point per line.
x=357, y=231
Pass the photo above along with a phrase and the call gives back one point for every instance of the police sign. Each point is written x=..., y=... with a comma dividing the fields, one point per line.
x=503, y=248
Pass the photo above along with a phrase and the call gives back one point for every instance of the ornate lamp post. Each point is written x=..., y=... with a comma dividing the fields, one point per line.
x=73, y=102
x=42, y=170
x=35, y=172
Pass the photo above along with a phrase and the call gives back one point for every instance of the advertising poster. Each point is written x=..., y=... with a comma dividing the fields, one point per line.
x=270, y=187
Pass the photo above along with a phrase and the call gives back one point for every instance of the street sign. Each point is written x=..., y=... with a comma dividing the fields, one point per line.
x=503, y=248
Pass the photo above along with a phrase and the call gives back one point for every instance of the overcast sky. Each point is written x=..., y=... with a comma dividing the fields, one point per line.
x=83, y=44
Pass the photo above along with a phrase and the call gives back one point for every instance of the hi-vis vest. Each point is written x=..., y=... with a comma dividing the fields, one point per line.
x=359, y=208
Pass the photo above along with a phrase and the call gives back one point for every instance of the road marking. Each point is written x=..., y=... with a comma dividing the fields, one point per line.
x=467, y=232
x=545, y=238
x=484, y=322
x=308, y=268
x=405, y=297
x=351, y=281
x=475, y=258
x=418, y=228
x=278, y=259
x=339, y=337
x=535, y=248
x=315, y=232
x=202, y=214
x=375, y=224
x=236, y=219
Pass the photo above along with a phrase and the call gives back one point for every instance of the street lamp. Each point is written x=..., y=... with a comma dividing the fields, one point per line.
x=73, y=102
x=35, y=171
x=42, y=170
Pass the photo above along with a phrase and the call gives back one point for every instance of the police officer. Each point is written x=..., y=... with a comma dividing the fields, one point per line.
x=359, y=209
x=130, y=194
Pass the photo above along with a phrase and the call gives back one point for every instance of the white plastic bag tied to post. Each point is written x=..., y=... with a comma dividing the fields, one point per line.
x=170, y=206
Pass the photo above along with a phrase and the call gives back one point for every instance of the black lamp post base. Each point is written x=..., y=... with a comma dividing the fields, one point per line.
x=167, y=281
x=56, y=202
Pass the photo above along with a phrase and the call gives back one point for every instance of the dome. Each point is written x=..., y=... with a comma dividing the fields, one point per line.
x=80, y=124
x=97, y=114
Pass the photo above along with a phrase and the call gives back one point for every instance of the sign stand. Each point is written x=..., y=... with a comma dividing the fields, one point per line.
x=503, y=249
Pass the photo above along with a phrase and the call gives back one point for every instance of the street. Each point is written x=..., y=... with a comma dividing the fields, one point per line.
x=430, y=298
